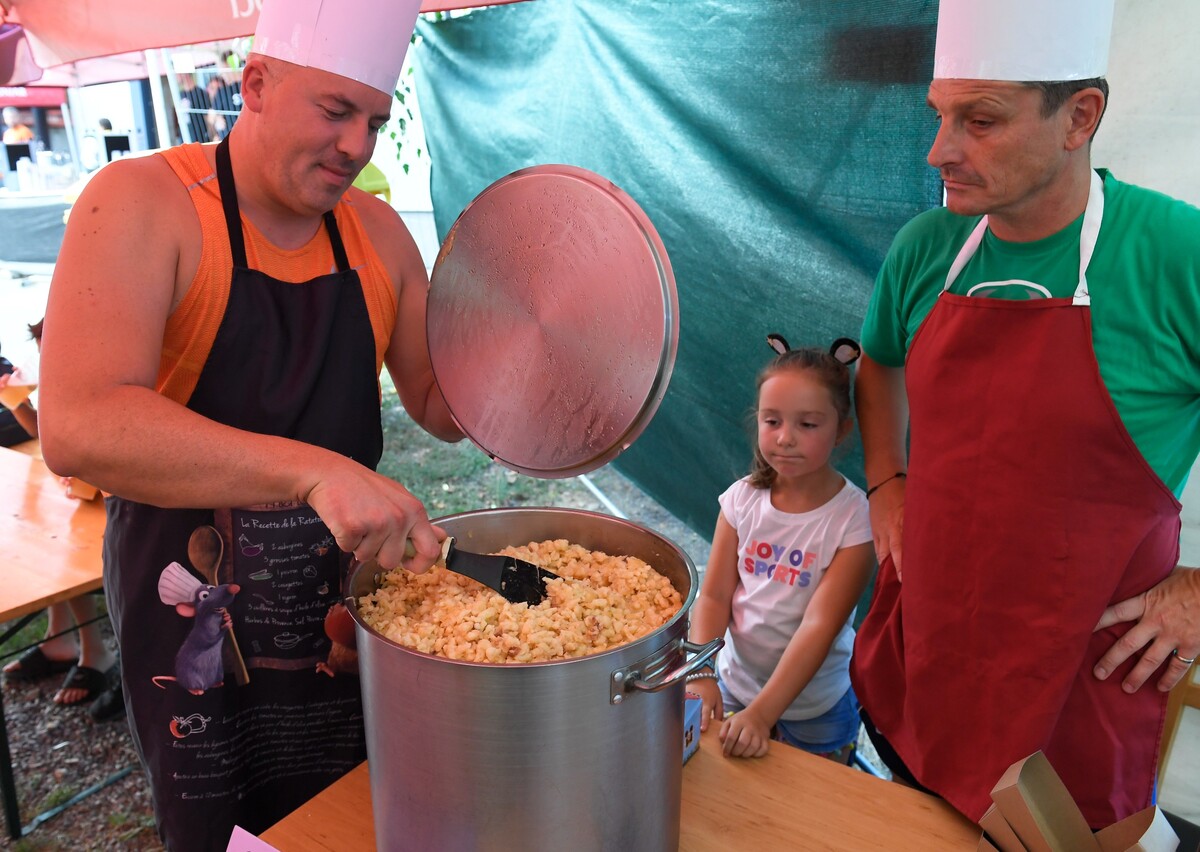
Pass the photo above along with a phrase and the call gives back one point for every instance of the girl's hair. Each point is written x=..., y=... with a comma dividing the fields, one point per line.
x=35, y=330
x=831, y=372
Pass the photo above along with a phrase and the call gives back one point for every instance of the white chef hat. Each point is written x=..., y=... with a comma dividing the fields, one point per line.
x=364, y=40
x=1022, y=40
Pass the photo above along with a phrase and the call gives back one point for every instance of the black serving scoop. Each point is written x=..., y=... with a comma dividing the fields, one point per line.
x=516, y=580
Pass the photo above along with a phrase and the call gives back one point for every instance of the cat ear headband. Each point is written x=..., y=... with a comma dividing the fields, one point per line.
x=843, y=349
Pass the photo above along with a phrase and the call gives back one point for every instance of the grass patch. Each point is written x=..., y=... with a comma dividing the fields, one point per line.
x=56, y=797
x=27, y=635
x=450, y=478
x=132, y=823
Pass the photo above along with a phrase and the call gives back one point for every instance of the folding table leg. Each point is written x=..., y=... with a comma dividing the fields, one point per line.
x=8, y=784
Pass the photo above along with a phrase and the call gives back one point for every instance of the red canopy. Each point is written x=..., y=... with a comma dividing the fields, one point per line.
x=55, y=32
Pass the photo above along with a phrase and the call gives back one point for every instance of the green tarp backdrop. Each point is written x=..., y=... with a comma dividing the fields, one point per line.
x=776, y=146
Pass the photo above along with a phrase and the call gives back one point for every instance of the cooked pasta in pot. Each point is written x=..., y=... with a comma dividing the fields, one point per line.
x=602, y=601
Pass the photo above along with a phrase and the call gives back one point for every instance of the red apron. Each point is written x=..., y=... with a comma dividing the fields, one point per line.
x=1028, y=511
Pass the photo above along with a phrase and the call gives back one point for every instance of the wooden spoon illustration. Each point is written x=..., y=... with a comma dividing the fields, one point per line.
x=205, y=550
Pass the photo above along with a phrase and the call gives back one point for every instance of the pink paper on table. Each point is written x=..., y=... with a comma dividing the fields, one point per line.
x=243, y=841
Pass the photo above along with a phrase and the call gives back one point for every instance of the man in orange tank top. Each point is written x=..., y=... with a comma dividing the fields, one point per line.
x=204, y=365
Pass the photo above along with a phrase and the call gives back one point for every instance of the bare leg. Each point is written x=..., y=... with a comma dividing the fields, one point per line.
x=60, y=647
x=93, y=653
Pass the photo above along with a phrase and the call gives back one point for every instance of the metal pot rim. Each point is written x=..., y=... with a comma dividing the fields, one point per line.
x=351, y=599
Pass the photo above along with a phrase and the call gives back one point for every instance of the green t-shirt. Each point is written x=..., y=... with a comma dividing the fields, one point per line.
x=1144, y=280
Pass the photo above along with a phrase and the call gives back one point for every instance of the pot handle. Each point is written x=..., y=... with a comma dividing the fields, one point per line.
x=654, y=680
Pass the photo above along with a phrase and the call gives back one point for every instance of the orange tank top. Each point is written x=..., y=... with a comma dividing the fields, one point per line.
x=192, y=327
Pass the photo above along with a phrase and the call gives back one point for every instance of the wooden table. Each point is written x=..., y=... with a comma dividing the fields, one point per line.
x=787, y=800
x=52, y=543
x=52, y=553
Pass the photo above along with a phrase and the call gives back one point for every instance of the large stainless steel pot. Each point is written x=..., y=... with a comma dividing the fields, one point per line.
x=573, y=754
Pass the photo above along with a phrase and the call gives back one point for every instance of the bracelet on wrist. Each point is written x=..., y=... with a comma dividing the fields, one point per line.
x=898, y=475
x=701, y=675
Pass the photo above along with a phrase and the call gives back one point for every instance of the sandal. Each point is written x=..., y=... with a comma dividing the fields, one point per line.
x=91, y=681
x=111, y=703
x=34, y=665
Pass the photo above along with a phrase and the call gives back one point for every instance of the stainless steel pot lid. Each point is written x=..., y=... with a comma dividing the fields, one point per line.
x=553, y=321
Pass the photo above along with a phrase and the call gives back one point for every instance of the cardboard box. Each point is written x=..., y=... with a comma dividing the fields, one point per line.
x=1145, y=831
x=999, y=832
x=1034, y=810
x=1036, y=803
x=692, y=707
x=81, y=490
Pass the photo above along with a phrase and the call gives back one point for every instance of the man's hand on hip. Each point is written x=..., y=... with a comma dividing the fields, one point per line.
x=1167, y=626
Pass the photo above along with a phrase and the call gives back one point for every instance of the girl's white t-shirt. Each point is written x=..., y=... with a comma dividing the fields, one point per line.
x=782, y=558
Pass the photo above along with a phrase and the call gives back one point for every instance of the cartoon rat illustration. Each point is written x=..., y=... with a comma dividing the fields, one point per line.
x=198, y=664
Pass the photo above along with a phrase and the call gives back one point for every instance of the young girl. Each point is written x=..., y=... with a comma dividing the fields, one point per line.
x=791, y=556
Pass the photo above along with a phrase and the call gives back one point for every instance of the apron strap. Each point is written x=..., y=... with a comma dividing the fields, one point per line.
x=233, y=219
x=335, y=239
x=1093, y=214
x=966, y=252
x=1092, y=217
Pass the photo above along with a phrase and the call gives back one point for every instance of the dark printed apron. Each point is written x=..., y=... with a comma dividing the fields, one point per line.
x=1028, y=511
x=224, y=744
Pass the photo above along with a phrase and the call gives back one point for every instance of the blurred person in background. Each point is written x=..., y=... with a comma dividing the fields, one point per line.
x=225, y=92
x=195, y=103
x=14, y=129
x=92, y=674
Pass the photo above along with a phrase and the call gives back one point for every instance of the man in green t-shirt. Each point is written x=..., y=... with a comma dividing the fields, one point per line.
x=1035, y=343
